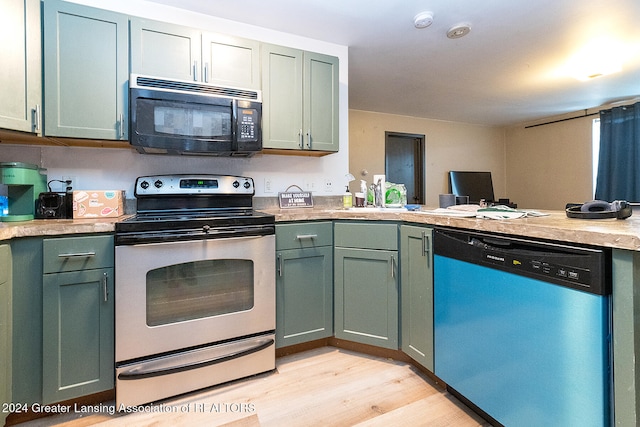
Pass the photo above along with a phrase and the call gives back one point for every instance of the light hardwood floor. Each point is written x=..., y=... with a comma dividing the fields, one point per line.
x=324, y=387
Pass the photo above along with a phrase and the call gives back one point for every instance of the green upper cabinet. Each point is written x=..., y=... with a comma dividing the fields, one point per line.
x=20, y=79
x=416, y=260
x=86, y=72
x=300, y=100
x=231, y=61
x=161, y=49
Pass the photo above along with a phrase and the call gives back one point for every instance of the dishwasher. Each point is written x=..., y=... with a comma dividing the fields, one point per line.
x=522, y=328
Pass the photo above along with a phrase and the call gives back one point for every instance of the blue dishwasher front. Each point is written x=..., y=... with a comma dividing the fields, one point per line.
x=522, y=328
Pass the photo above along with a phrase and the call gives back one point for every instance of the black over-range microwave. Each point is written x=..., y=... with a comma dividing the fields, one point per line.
x=182, y=117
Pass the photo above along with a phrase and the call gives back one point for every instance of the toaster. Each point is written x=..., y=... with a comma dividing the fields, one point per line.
x=52, y=205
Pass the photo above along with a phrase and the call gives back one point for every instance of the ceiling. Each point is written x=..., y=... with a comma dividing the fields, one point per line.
x=507, y=70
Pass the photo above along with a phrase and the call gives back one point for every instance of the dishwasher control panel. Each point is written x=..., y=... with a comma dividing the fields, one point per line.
x=584, y=268
x=545, y=266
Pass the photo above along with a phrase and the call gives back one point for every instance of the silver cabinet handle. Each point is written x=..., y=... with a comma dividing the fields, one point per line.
x=206, y=72
x=105, y=287
x=78, y=255
x=280, y=265
x=36, y=118
x=393, y=267
x=309, y=139
x=121, y=125
x=301, y=138
x=195, y=71
x=306, y=236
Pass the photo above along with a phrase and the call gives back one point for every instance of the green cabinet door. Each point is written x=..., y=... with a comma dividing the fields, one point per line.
x=86, y=72
x=281, y=98
x=366, y=296
x=416, y=306
x=161, y=49
x=78, y=338
x=304, y=295
x=26, y=383
x=300, y=100
x=21, y=76
x=231, y=61
x=5, y=327
x=320, y=102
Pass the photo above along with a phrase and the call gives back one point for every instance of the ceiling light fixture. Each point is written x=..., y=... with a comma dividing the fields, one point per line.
x=458, y=31
x=423, y=20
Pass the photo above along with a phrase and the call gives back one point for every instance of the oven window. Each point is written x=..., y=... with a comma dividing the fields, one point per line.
x=199, y=289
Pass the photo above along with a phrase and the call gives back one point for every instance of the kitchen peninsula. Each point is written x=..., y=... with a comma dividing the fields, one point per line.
x=622, y=236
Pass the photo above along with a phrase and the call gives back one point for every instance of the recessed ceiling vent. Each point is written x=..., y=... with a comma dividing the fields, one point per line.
x=458, y=31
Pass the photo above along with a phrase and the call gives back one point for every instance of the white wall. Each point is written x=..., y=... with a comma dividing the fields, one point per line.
x=551, y=165
x=117, y=168
x=448, y=146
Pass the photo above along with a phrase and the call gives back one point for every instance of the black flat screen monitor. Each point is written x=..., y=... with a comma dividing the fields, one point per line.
x=476, y=185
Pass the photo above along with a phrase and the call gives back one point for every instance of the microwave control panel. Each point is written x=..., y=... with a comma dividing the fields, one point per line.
x=248, y=122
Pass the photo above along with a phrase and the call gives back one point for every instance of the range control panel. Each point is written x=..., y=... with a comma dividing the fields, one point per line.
x=167, y=185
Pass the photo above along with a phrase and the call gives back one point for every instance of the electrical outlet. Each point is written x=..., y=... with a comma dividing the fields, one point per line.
x=328, y=186
x=268, y=185
x=72, y=184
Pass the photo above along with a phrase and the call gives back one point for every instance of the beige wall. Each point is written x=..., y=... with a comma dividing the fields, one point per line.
x=449, y=146
x=551, y=165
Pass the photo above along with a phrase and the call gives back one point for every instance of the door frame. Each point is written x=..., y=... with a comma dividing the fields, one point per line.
x=419, y=161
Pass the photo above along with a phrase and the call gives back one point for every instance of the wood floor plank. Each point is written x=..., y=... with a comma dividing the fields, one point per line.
x=321, y=387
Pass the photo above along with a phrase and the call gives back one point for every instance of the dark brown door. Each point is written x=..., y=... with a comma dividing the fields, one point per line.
x=404, y=163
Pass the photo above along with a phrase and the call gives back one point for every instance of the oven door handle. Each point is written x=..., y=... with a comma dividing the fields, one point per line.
x=152, y=371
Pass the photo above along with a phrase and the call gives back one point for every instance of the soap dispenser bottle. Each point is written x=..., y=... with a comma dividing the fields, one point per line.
x=347, y=199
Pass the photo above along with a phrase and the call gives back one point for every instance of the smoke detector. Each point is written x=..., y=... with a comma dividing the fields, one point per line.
x=458, y=31
x=423, y=20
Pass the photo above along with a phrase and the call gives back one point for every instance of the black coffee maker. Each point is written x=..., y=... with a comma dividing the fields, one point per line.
x=55, y=205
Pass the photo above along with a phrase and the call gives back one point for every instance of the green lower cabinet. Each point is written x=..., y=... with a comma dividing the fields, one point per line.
x=416, y=306
x=78, y=334
x=26, y=386
x=366, y=301
x=304, y=295
x=5, y=328
x=304, y=282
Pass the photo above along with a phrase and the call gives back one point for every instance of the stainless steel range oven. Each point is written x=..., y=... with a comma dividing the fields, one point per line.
x=195, y=287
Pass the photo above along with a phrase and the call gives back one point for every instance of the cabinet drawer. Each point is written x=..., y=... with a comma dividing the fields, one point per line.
x=366, y=235
x=77, y=253
x=303, y=235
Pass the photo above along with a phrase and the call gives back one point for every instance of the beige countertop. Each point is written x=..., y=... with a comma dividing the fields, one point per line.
x=55, y=227
x=622, y=234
